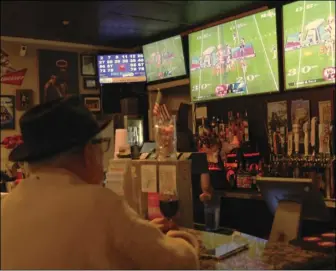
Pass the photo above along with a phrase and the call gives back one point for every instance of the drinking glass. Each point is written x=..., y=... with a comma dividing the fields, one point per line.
x=169, y=205
x=211, y=216
x=165, y=138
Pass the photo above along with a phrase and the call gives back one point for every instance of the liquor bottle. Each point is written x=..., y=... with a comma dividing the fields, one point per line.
x=217, y=125
x=246, y=127
x=282, y=137
x=201, y=128
x=231, y=126
x=213, y=125
x=243, y=177
x=231, y=177
x=239, y=127
x=261, y=166
x=254, y=172
x=221, y=130
x=221, y=126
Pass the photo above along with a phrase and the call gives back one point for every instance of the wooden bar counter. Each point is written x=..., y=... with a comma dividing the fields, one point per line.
x=260, y=255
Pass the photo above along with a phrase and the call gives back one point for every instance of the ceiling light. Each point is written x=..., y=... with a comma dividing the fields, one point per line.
x=65, y=22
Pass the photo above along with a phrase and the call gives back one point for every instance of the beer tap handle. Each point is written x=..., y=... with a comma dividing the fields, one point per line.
x=313, y=134
x=306, y=138
x=296, y=128
x=290, y=144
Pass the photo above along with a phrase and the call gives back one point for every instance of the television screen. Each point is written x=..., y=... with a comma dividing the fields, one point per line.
x=164, y=59
x=235, y=58
x=309, y=41
x=123, y=68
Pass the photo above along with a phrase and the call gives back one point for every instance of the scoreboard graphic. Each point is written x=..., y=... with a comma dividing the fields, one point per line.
x=123, y=68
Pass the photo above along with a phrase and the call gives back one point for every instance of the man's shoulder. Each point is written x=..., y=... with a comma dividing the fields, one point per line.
x=97, y=193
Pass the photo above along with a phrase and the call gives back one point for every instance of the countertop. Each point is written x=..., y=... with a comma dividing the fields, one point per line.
x=248, y=194
x=260, y=255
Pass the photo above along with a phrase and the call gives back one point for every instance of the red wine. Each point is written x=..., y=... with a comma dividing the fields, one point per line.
x=169, y=207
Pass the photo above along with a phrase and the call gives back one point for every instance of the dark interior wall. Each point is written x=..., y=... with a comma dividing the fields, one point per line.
x=256, y=107
x=111, y=94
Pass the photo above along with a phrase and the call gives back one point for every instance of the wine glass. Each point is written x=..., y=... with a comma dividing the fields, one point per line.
x=169, y=205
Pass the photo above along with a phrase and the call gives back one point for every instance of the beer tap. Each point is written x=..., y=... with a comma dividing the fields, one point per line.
x=296, y=131
x=313, y=135
x=290, y=144
x=306, y=138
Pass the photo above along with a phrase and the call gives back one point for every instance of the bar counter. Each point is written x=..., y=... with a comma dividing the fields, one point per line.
x=260, y=255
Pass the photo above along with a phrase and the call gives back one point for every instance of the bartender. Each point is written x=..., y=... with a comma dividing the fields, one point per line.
x=185, y=138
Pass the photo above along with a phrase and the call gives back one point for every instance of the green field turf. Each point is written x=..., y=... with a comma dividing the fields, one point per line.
x=309, y=61
x=262, y=70
x=176, y=65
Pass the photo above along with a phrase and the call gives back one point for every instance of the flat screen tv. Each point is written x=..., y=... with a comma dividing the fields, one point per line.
x=121, y=68
x=237, y=58
x=164, y=59
x=309, y=43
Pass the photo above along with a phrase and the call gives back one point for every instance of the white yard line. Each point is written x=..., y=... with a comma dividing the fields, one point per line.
x=266, y=56
x=235, y=61
x=200, y=70
x=244, y=73
x=300, y=52
x=332, y=49
x=158, y=51
x=171, y=62
x=220, y=65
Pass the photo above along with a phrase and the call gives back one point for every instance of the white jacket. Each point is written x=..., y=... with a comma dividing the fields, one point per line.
x=54, y=220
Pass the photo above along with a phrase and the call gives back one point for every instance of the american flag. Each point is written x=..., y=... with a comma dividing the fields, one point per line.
x=160, y=110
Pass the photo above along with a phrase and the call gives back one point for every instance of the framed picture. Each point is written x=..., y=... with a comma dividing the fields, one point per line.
x=88, y=65
x=7, y=111
x=92, y=103
x=24, y=99
x=90, y=83
x=58, y=74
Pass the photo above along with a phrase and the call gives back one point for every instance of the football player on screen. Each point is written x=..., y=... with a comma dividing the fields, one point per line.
x=242, y=47
x=228, y=63
x=274, y=51
x=234, y=36
x=243, y=66
x=220, y=59
x=330, y=28
x=328, y=47
x=228, y=50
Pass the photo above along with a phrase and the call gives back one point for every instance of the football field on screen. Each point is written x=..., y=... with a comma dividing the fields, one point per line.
x=262, y=69
x=175, y=64
x=308, y=62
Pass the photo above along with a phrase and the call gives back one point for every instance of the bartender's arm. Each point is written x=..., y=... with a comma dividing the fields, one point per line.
x=147, y=246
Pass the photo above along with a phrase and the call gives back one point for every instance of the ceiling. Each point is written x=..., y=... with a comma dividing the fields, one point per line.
x=121, y=24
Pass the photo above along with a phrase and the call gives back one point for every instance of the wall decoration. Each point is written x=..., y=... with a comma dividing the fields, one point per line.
x=58, y=74
x=277, y=123
x=325, y=112
x=92, y=103
x=9, y=74
x=24, y=99
x=7, y=112
x=88, y=65
x=90, y=83
x=276, y=114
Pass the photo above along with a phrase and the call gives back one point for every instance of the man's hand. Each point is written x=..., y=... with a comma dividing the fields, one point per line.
x=163, y=224
x=191, y=239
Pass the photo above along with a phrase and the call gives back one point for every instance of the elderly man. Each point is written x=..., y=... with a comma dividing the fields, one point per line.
x=62, y=218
